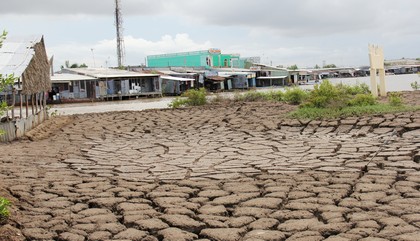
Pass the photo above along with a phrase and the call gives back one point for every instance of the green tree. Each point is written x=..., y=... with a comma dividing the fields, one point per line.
x=330, y=66
x=72, y=66
x=293, y=67
x=317, y=67
x=2, y=37
x=5, y=80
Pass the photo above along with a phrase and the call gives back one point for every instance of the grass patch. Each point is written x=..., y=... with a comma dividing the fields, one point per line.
x=331, y=113
x=326, y=101
x=295, y=95
x=395, y=99
x=415, y=85
x=254, y=96
x=4, y=209
x=192, y=97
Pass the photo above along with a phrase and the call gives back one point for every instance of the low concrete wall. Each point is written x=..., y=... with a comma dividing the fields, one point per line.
x=18, y=128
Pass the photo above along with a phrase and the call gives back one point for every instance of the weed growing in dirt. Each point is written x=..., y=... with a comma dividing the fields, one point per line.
x=415, y=85
x=358, y=88
x=4, y=211
x=395, y=99
x=192, y=98
x=177, y=103
x=295, y=95
x=53, y=113
x=275, y=95
x=218, y=99
x=254, y=96
x=362, y=100
x=327, y=95
x=331, y=101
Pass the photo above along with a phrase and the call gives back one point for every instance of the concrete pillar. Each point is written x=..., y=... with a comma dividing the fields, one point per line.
x=373, y=84
x=382, y=85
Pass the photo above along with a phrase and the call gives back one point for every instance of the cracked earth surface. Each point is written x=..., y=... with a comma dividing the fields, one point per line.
x=217, y=173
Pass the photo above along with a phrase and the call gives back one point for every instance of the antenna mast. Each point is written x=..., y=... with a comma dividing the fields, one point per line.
x=120, y=36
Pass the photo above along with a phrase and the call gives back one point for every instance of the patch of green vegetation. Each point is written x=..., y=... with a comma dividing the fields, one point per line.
x=415, y=85
x=362, y=100
x=295, y=95
x=331, y=113
x=327, y=95
x=328, y=101
x=251, y=96
x=275, y=95
x=358, y=88
x=4, y=209
x=192, y=97
x=254, y=96
x=395, y=99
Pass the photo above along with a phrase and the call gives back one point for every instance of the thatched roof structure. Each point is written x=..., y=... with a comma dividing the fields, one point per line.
x=27, y=59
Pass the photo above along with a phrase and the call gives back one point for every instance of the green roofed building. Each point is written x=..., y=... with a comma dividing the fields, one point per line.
x=212, y=58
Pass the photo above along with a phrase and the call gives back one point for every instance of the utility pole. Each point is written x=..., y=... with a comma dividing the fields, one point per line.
x=93, y=56
x=120, y=36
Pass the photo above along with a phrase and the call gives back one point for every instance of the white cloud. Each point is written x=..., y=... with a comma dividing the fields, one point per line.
x=290, y=17
x=304, y=32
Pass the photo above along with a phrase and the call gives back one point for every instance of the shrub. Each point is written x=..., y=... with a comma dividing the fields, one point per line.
x=196, y=97
x=395, y=99
x=193, y=98
x=415, y=85
x=178, y=102
x=218, y=99
x=358, y=88
x=4, y=211
x=253, y=96
x=295, y=95
x=5, y=82
x=362, y=100
x=326, y=95
x=275, y=95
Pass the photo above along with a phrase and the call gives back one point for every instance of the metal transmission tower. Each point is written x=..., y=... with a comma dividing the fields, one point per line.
x=120, y=36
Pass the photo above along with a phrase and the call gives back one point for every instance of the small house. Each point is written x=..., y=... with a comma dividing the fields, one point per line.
x=117, y=83
x=72, y=87
x=267, y=76
x=26, y=59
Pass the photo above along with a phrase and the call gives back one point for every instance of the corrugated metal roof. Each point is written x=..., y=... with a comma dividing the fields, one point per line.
x=16, y=54
x=232, y=70
x=107, y=73
x=170, y=72
x=175, y=78
x=268, y=66
x=70, y=77
x=272, y=77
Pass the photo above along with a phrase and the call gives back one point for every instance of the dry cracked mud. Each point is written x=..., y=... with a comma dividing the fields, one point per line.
x=242, y=172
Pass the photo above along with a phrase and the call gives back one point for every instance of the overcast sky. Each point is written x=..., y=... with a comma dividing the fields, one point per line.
x=281, y=32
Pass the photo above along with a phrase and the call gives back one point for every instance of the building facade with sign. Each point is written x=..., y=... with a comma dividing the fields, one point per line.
x=211, y=58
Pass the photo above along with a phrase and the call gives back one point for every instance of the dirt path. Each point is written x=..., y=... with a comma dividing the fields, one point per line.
x=216, y=173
